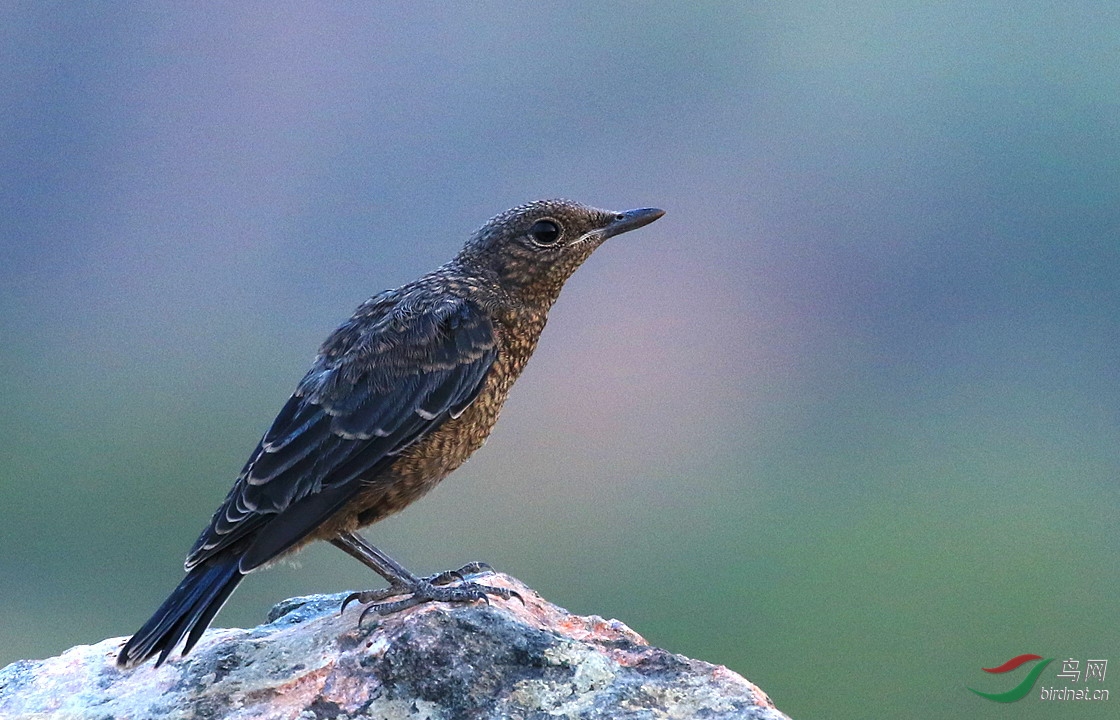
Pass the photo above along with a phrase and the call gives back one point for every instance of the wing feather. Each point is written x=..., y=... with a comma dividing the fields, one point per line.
x=382, y=381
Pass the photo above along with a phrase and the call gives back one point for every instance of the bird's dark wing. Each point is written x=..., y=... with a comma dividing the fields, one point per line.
x=393, y=373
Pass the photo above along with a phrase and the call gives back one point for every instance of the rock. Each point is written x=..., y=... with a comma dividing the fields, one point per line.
x=435, y=661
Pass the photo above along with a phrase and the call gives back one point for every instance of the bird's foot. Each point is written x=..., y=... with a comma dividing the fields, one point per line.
x=433, y=588
x=449, y=576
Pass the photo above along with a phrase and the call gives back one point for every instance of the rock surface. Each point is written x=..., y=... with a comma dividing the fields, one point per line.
x=435, y=661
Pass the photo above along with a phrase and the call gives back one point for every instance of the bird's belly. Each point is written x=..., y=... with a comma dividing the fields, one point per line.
x=421, y=466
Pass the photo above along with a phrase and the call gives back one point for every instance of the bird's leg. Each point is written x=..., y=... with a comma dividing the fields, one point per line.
x=417, y=589
x=400, y=579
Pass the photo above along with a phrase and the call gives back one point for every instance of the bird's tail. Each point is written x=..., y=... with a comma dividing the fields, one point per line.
x=186, y=612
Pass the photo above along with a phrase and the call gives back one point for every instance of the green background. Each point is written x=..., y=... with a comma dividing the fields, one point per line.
x=844, y=420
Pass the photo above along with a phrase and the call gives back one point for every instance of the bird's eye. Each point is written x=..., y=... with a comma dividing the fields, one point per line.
x=545, y=232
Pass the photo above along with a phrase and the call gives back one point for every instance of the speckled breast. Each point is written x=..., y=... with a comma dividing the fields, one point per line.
x=421, y=466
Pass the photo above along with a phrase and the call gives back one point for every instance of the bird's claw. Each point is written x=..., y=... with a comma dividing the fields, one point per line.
x=425, y=591
x=444, y=578
x=449, y=576
x=369, y=596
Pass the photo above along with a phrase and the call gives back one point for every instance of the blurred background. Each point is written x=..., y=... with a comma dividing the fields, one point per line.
x=845, y=420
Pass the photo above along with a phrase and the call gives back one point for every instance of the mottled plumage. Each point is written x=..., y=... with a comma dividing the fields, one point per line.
x=398, y=397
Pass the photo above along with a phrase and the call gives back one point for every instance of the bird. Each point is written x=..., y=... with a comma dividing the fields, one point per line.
x=398, y=397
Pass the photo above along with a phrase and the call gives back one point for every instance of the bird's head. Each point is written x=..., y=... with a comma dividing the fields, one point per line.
x=534, y=248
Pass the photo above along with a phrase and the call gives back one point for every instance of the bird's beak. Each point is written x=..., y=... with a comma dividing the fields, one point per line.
x=630, y=220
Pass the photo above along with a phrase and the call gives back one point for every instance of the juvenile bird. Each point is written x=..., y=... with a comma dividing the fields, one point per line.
x=398, y=396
